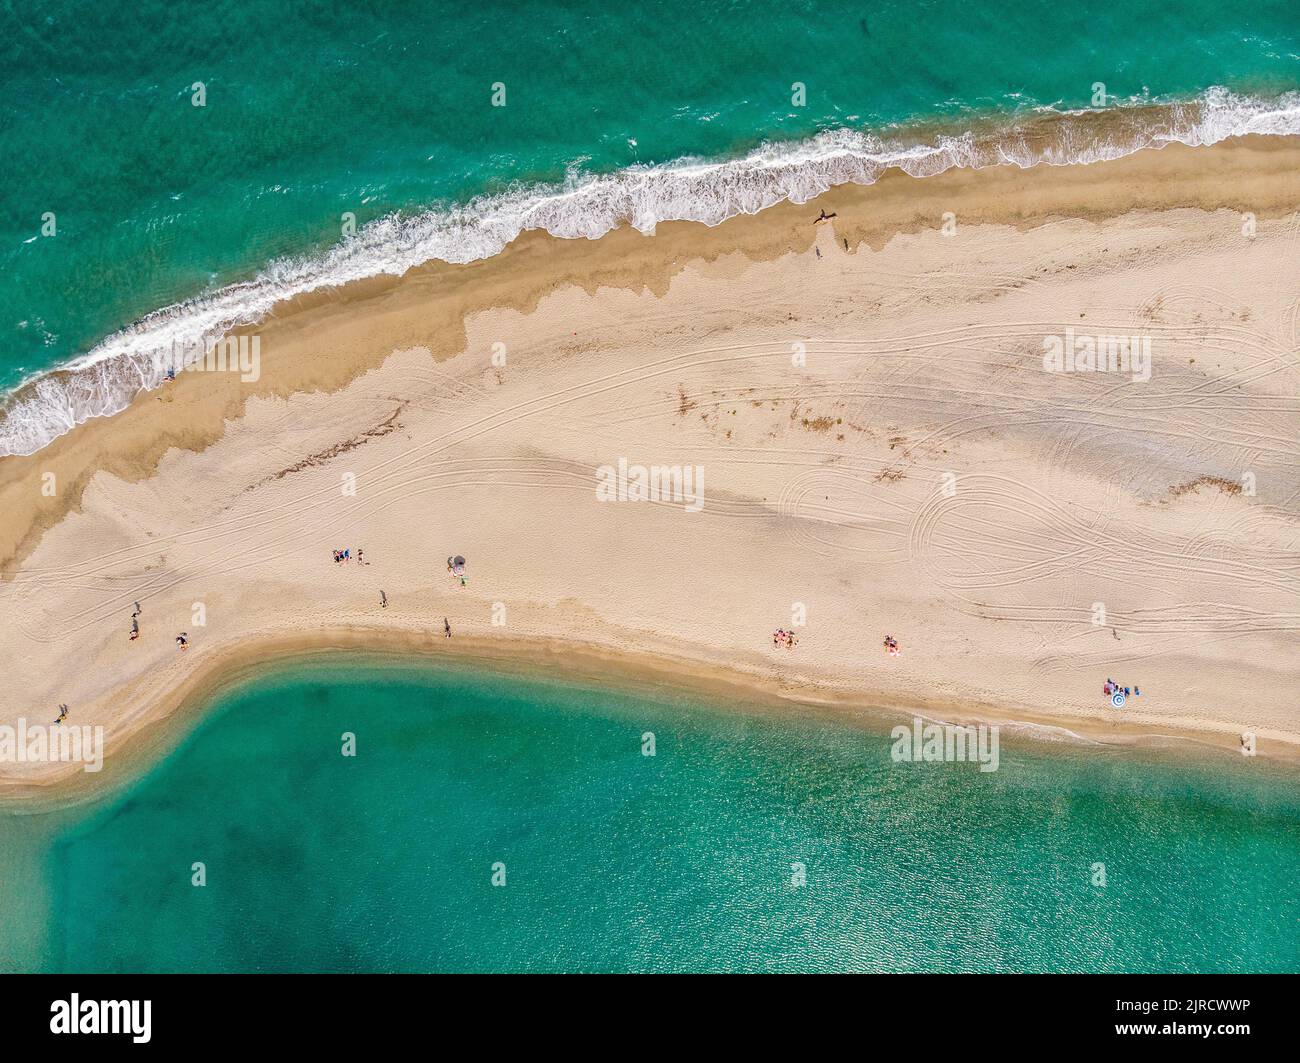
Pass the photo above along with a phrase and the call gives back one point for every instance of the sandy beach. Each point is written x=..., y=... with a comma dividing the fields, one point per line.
x=871, y=444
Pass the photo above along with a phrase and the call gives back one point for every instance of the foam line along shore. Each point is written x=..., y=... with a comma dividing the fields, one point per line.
x=106, y=378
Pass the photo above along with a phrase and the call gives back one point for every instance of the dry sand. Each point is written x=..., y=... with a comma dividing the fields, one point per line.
x=882, y=452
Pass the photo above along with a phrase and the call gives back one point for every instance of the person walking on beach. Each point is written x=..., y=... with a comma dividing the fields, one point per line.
x=383, y=600
x=63, y=714
x=135, y=629
x=182, y=640
x=446, y=628
x=137, y=611
x=360, y=557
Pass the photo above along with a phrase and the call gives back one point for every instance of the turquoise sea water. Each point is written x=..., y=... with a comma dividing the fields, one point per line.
x=384, y=110
x=619, y=861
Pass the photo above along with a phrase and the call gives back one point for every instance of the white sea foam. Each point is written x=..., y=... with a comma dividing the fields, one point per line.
x=105, y=379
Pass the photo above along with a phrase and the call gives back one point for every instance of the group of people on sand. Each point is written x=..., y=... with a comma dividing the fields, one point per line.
x=346, y=555
x=1111, y=687
x=781, y=637
x=182, y=640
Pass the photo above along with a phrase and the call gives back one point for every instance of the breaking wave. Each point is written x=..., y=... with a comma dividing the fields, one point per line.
x=106, y=379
